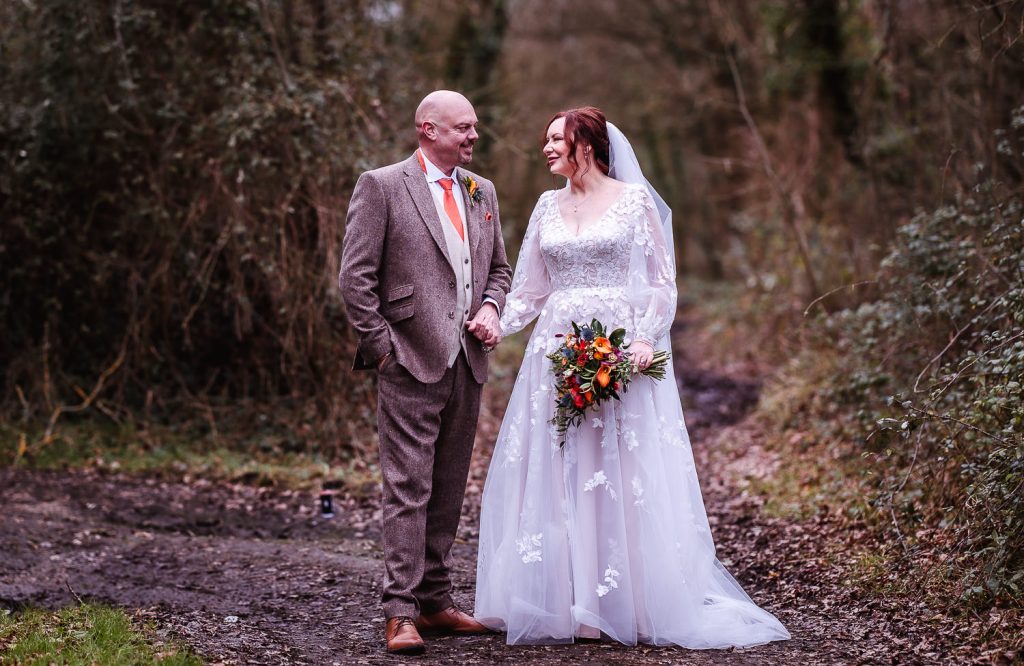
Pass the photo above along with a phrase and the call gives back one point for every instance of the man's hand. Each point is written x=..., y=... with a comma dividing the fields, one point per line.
x=485, y=325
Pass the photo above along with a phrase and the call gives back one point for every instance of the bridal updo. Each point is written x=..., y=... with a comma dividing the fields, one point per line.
x=586, y=125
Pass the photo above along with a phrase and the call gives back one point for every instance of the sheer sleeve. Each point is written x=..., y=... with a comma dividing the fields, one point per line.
x=531, y=283
x=652, y=277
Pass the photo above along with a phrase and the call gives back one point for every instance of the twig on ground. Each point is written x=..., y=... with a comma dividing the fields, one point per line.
x=87, y=400
x=67, y=584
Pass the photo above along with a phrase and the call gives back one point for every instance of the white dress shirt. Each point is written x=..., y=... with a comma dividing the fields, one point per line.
x=433, y=175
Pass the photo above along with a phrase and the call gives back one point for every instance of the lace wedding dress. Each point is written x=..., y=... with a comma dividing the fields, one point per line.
x=608, y=534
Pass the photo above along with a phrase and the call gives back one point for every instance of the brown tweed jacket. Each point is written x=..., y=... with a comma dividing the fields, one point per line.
x=396, y=278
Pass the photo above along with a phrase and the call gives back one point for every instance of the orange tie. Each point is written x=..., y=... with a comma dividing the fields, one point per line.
x=450, y=207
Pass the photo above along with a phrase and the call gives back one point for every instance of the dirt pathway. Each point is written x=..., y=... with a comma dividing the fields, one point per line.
x=248, y=575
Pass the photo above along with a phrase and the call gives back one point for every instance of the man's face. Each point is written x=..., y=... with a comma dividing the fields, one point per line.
x=456, y=135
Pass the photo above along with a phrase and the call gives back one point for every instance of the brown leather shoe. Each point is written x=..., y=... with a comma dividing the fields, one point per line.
x=402, y=637
x=450, y=621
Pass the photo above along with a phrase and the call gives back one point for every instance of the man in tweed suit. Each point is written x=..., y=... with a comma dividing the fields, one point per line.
x=424, y=274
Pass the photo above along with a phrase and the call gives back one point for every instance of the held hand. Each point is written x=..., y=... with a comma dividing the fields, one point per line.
x=485, y=325
x=643, y=354
x=489, y=338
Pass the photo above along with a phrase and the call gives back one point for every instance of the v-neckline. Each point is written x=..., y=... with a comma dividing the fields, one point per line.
x=600, y=218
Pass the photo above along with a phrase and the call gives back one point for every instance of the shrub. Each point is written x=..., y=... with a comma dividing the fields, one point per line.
x=934, y=370
x=174, y=182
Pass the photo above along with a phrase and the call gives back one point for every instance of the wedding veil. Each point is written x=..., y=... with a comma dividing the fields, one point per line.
x=624, y=166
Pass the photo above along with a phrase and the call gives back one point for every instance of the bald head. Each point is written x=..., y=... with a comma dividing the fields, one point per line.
x=439, y=105
x=446, y=126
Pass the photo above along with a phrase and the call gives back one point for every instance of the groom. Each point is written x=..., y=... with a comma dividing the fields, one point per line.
x=423, y=275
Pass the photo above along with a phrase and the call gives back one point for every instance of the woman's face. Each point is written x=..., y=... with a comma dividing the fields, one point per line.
x=556, y=150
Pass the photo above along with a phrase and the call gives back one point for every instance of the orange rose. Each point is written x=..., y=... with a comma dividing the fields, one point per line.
x=604, y=375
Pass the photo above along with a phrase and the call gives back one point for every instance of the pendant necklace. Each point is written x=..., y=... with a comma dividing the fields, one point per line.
x=576, y=204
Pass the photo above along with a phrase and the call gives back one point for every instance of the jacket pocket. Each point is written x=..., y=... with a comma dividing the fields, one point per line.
x=398, y=293
x=400, y=304
x=402, y=311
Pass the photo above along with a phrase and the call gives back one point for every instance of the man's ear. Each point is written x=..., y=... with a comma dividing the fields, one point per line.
x=429, y=130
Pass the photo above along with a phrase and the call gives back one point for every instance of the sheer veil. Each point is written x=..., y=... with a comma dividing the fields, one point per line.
x=624, y=166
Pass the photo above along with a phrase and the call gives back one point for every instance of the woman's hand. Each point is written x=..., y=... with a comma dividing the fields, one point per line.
x=643, y=354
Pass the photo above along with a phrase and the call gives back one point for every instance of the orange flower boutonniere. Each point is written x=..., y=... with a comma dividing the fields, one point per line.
x=475, y=195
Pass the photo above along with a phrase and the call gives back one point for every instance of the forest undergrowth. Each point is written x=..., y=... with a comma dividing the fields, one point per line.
x=903, y=412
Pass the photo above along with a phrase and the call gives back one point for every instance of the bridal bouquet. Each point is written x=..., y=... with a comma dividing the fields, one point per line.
x=590, y=367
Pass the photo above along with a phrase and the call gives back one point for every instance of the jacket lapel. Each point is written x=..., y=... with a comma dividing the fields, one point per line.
x=421, y=197
x=472, y=217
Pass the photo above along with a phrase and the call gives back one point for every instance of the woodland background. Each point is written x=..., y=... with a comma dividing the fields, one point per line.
x=846, y=180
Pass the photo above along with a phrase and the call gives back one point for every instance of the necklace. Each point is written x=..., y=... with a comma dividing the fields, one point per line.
x=576, y=203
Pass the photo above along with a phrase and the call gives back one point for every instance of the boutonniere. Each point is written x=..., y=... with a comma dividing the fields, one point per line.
x=475, y=195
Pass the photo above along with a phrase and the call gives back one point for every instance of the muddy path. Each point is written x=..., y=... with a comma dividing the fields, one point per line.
x=256, y=575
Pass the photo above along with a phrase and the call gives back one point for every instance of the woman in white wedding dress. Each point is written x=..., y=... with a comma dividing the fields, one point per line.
x=608, y=534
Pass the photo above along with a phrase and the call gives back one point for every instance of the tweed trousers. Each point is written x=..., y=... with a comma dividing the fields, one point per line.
x=426, y=436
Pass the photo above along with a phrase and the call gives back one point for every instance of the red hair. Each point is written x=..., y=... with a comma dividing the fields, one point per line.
x=587, y=125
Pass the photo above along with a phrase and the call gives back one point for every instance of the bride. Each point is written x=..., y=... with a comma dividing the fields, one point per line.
x=608, y=534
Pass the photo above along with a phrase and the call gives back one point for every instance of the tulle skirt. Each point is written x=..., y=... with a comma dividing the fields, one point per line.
x=609, y=533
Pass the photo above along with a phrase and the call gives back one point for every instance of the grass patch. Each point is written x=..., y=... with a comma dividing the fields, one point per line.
x=788, y=493
x=86, y=634
x=88, y=444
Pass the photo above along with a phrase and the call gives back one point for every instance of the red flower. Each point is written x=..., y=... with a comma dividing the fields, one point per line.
x=488, y=216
